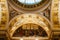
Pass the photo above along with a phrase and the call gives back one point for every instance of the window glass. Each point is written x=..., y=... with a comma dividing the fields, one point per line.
x=29, y=2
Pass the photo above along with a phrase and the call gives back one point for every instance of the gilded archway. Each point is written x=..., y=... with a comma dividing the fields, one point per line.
x=22, y=19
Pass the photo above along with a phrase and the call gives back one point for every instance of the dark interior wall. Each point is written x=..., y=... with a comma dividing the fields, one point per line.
x=3, y=37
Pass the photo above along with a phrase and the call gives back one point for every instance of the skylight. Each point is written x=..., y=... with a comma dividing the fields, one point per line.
x=29, y=2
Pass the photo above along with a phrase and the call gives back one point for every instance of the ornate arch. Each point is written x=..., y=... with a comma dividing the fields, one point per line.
x=19, y=20
x=20, y=7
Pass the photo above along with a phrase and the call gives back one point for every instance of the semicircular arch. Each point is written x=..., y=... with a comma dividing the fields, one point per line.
x=19, y=20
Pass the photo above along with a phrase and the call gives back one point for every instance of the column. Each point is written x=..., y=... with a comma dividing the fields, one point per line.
x=4, y=14
x=0, y=13
x=55, y=15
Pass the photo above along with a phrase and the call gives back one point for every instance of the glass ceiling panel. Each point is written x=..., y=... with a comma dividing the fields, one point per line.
x=29, y=2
